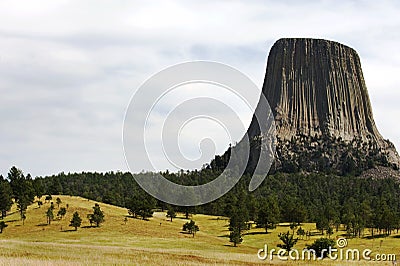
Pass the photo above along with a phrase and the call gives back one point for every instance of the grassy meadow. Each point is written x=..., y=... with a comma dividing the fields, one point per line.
x=154, y=242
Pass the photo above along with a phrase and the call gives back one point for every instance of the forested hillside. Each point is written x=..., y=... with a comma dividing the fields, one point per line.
x=329, y=200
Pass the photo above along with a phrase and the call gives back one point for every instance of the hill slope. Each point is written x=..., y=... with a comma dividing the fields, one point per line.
x=154, y=242
x=157, y=241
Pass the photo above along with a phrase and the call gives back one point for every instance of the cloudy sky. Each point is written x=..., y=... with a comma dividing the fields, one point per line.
x=69, y=68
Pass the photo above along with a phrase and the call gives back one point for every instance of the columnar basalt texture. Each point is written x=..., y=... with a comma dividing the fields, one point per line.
x=322, y=110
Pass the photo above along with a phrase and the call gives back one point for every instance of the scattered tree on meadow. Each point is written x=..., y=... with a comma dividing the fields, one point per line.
x=190, y=227
x=40, y=203
x=22, y=206
x=61, y=212
x=237, y=225
x=2, y=226
x=76, y=221
x=329, y=231
x=97, y=217
x=293, y=226
x=58, y=201
x=321, y=244
x=89, y=216
x=48, y=198
x=288, y=241
x=5, y=197
x=49, y=215
x=187, y=211
x=22, y=189
x=52, y=205
x=235, y=236
x=301, y=232
x=125, y=220
x=171, y=213
x=23, y=218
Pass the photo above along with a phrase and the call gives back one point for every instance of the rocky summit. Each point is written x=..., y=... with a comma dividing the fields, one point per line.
x=323, y=115
x=322, y=110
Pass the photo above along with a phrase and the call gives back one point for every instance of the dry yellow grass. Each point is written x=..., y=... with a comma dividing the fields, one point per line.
x=154, y=242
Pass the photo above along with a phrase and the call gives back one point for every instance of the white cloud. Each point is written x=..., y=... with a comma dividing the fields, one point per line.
x=68, y=68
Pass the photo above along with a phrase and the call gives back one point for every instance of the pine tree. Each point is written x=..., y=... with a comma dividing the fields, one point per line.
x=191, y=227
x=141, y=205
x=58, y=201
x=76, y=221
x=288, y=241
x=235, y=237
x=171, y=213
x=5, y=197
x=49, y=215
x=22, y=189
x=2, y=226
x=268, y=214
x=237, y=225
x=97, y=217
x=61, y=212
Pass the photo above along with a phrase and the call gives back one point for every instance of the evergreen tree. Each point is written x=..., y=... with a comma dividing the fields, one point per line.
x=97, y=217
x=76, y=221
x=61, y=212
x=2, y=226
x=23, y=218
x=268, y=214
x=321, y=244
x=171, y=213
x=22, y=188
x=5, y=197
x=329, y=231
x=322, y=224
x=48, y=198
x=190, y=227
x=288, y=241
x=141, y=205
x=58, y=201
x=300, y=232
x=49, y=215
x=37, y=184
x=293, y=226
x=235, y=236
x=237, y=225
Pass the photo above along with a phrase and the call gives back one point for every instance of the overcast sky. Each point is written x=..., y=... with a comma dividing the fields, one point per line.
x=69, y=68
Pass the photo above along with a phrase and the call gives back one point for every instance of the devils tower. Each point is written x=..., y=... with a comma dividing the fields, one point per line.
x=322, y=111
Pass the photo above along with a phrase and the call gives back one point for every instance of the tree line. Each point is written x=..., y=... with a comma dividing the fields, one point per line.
x=329, y=200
